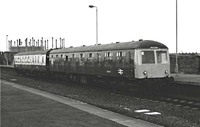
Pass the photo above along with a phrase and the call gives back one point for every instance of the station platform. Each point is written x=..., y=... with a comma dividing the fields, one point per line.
x=7, y=66
x=189, y=79
x=22, y=106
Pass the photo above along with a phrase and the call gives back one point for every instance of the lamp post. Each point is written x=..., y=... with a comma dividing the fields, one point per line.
x=177, y=37
x=91, y=6
x=7, y=45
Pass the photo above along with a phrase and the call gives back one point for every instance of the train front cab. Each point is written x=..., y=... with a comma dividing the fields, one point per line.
x=152, y=63
x=152, y=69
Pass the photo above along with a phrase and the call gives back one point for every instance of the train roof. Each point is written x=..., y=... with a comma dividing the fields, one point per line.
x=32, y=53
x=144, y=44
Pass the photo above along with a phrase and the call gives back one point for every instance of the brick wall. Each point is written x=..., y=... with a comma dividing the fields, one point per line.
x=188, y=63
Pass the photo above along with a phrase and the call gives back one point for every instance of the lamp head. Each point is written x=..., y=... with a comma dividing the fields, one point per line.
x=91, y=6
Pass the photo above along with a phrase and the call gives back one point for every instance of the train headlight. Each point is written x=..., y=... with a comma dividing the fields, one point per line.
x=166, y=72
x=145, y=73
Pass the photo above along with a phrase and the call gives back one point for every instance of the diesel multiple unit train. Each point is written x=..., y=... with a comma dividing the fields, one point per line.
x=134, y=61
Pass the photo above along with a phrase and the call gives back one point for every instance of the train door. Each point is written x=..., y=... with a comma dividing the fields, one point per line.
x=145, y=63
x=132, y=63
x=98, y=63
x=66, y=64
x=47, y=60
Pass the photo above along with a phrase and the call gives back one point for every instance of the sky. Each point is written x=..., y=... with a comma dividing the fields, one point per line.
x=118, y=21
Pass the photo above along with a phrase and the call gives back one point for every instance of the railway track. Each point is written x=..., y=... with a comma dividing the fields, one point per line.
x=178, y=100
x=163, y=109
x=171, y=98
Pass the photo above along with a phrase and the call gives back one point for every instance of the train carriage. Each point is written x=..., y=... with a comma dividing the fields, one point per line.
x=142, y=64
x=131, y=60
x=34, y=61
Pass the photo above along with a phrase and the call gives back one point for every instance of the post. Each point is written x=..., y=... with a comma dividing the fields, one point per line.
x=60, y=43
x=17, y=45
x=56, y=43
x=9, y=45
x=91, y=6
x=32, y=42
x=63, y=43
x=47, y=44
x=52, y=42
x=26, y=45
x=42, y=43
x=96, y=26
x=177, y=37
x=7, y=42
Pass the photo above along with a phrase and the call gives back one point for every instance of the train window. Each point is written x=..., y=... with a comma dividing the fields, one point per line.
x=148, y=57
x=38, y=59
x=33, y=59
x=56, y=56
x=90, y=55
x=121, y=54
x=42, y=59
x=66, y=58
x=161, y=56
x=51, y=56
x=61, y=55
x=81, y=55
x=98, y=57
x=29, y=59
x=108, y=54
x=73, y=55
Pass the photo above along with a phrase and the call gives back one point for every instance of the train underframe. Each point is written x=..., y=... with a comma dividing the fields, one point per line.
x=135, y=86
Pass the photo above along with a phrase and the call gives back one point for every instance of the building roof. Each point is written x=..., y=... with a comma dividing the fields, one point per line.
x=33, y=52
x=143, y=44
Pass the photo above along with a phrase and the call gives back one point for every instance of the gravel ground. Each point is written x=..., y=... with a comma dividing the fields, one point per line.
x=171, y=115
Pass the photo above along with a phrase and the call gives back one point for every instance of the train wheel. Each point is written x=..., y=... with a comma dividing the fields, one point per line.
x=133, y=88
x=73, y=78
x=83, y=80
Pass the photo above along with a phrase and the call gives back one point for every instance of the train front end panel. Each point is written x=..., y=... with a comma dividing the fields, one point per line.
x=152, y=63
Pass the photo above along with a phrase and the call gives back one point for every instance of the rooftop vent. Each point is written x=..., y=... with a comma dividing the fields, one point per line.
x=117, y=42
x=140, y=39
x=71, y=47
x=83, y=45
